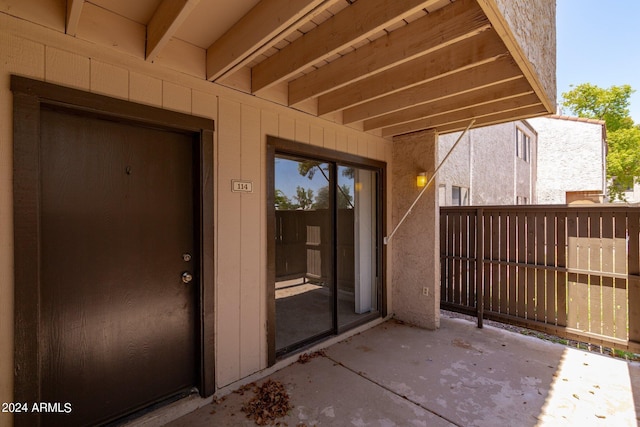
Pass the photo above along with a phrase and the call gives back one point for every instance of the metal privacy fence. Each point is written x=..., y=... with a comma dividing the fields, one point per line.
x=570, y=271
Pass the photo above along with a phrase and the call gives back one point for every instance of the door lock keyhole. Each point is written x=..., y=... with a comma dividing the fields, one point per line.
x=186, y=277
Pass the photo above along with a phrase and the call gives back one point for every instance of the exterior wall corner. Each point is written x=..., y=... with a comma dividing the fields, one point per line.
x=415, y=254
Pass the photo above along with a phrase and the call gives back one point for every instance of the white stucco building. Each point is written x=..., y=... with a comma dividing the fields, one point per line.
x=572, y=155
x=542, y=160
x=494, y=165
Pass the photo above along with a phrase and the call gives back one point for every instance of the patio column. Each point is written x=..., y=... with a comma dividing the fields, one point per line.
x=415, y=246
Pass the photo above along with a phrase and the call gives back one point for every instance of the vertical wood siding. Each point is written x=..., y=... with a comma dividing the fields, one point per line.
x=242, y=123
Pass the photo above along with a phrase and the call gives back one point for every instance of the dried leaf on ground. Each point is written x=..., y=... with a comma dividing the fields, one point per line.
x=271, y=401
x=242, y=390
x=306, y=358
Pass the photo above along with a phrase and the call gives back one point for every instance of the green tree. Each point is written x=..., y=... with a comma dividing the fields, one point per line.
x=623, y=136
x=308, y=168
x=610, y=105
x=345, y=199
x=282, y=202
x=304, y=198
x=623, y=160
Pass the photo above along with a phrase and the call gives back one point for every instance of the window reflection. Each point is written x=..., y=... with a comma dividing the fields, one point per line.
x=326, y=249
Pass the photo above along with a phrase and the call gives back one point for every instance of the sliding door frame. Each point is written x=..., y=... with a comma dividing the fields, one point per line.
x=279, y=146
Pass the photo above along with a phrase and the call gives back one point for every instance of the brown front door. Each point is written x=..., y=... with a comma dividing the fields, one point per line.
x=117, y=323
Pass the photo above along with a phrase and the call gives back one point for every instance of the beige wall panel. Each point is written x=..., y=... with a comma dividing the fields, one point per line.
x=109, y=80
x=50, y=13
x=240, y=80
x=250, y=315
x=287, y=127
x=106, y=28
x=176, y=97
x=372, y=149
x=20, y=56
x=277, y=93
x=330, y=138
x=204, y=104
x=316, y=136
x=269, y=125
x=66, y=68
x=352, y=144
x=308, y=106
x=386, y=145
x=303, y=131
x=379, y=150
x=363, y=147
x=342, y=143
x=228, y=250
x=184, y=57
x=145, y=89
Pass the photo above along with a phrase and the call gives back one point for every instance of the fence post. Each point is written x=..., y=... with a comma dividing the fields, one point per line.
x=633, y=275
x=479, y=266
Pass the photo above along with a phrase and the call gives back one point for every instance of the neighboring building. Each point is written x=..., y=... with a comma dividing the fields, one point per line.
x=494, y=165
x=632, y=195
x=143, y=146
x=572, y=156
x=542, y=160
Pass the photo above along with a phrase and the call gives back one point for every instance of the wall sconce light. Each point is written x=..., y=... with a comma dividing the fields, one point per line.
x=421, y=179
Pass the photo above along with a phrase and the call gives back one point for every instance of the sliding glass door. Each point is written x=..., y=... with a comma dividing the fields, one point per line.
x=356, y=243
x=304, y=251
x=326, y=235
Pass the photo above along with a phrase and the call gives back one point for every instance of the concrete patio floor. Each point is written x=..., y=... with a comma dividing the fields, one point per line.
x=398, y=375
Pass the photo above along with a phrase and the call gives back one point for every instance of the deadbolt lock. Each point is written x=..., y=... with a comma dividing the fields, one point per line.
x=186, y=277
x=186, y=257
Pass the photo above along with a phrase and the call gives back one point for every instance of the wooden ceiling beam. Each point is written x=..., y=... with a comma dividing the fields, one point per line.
x=479, y=97
x=251, y=35
x=74, y=8
x=446, y=26
x=164, y=23
x=467, y=114
x=484, y=47
x=350, y=26
x=484, y=75
x=508, y=116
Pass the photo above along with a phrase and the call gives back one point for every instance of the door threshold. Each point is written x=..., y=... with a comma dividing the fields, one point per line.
x=169, y=412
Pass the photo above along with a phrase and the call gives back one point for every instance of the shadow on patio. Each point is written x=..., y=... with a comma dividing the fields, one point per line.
x=395, y=374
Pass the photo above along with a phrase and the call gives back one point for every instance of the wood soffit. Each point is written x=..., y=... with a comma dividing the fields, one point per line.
x=389, y=67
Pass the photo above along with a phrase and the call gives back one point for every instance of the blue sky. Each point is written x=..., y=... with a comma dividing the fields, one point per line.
x=287, y=178
x=599, y=43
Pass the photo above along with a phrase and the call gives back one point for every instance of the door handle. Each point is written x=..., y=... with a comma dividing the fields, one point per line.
x=186, y=277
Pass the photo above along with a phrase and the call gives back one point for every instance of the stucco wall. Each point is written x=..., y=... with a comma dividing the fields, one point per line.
x=485, y=159
x=415, y=254
x=242, y=123
x=533, y=24
x=570, y=158
x=456, y=171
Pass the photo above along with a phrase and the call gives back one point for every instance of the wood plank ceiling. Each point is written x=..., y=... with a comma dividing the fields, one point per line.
x=384, y=66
